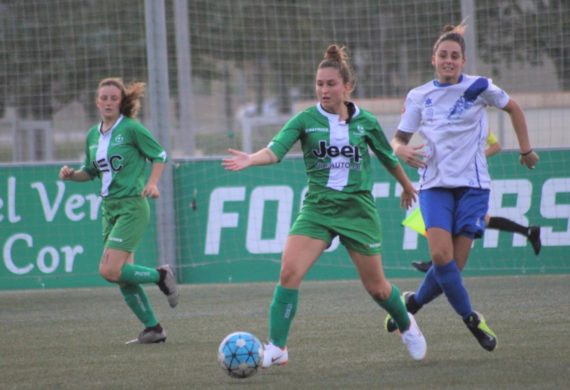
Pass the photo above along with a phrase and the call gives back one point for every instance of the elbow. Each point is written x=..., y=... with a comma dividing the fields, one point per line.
x=512, y=107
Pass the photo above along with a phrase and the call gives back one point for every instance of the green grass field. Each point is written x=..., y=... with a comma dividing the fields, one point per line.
x=74, y=339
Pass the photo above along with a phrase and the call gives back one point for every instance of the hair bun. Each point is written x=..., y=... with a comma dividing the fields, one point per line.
x=459, y=29
x=336, y=53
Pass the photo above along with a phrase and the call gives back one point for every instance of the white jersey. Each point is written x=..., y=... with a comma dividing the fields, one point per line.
x=452, y=119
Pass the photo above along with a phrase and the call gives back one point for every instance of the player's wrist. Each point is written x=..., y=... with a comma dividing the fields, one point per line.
x=524, y=154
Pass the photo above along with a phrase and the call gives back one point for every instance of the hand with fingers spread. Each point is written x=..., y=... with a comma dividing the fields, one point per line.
x=239, y=160
x=242, y=160
x=412, y=155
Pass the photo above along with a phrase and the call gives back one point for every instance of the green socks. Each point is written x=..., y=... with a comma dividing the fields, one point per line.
x=136, y=299
x=132, y=276
x=138, y=274
x=396, y=308
x=281, y=314
x=284, y=306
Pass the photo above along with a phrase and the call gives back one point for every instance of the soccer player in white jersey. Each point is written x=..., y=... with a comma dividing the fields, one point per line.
x=335, y=136
x=116, y=151
x=450, y=114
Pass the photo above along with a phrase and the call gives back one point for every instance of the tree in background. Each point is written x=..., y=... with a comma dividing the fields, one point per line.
x=505, y=37
x=53, y=52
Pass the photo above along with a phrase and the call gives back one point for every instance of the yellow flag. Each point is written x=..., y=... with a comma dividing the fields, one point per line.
x=415, y=221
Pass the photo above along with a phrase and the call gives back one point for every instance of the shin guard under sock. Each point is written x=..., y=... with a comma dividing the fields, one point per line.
x=281, y=314
x=450, y=280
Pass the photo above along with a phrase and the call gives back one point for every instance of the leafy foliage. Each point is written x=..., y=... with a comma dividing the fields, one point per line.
x=54, y=52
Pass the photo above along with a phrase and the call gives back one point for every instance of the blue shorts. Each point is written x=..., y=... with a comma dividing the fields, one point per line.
x=461, y=211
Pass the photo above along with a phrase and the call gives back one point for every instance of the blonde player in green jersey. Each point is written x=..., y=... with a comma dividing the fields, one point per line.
x=335, y=136
x=116, y=151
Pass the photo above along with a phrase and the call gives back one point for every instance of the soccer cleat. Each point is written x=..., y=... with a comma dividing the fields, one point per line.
x=422, y=266
x=167, y=284
x=534, y=238
x=414, y=340
x=389, y=324
x=484, y=335
x=411, y=306
x=274, y=356
x=153, y=335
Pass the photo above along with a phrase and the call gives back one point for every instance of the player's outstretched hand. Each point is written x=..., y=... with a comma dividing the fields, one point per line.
x=529, y=159
x=239, y=161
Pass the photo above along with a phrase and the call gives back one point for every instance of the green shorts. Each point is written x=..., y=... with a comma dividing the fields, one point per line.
x=124, y=222
x=353, y=217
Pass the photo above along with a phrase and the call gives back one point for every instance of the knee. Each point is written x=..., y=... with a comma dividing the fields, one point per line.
x=290, y=277
x=379, y=291
x=441, y=256
x=109, y=274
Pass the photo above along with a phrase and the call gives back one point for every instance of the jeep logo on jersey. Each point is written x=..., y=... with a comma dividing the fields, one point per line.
x=334, y=151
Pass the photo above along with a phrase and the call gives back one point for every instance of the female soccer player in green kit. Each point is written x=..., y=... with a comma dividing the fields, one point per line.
x=335, y=135
x=116, y=151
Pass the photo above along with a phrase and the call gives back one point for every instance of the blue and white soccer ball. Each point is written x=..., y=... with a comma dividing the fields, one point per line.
x=240, y=354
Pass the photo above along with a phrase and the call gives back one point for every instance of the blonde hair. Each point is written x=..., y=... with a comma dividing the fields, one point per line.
x=131, y=95
x=337, y=57
x=453, y=33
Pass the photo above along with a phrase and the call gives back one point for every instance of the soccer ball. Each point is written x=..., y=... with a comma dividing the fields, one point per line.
x=240, y=354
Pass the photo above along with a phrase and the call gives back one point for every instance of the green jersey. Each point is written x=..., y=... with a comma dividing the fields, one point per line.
x=336, y=153
x=118, y=157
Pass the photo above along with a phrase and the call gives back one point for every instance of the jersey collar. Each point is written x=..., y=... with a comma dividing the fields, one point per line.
x=438, y=84
x=119, y=119
x=334, y=117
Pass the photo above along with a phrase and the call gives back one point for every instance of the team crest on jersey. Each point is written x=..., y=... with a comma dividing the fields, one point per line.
x=359, y=130
x=119, y=140
x=428, y=109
